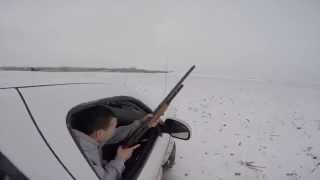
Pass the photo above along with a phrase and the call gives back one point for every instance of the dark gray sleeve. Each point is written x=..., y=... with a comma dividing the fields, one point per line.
x=112, y=170
x=122, y=132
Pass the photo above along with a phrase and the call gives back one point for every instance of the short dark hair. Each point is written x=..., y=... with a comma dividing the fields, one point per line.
x=92, y=119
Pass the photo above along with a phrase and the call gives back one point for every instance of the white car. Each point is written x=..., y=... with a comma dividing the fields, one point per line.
x=36, y=142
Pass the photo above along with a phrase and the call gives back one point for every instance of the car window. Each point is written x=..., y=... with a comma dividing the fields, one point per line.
x=8, y=170
x=127, y=109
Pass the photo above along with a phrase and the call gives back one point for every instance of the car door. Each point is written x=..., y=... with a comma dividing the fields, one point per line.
x=21, y=142
x=49, y=106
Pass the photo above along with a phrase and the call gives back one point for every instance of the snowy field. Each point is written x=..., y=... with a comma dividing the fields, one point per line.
x=242, y=129
x=245, y=129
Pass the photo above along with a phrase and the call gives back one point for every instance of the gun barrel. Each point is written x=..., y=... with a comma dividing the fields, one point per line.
x=140, y=131
x=177, y=86
x=185, y=76
x=174, y=94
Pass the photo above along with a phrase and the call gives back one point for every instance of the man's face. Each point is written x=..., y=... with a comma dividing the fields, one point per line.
x=105, y=134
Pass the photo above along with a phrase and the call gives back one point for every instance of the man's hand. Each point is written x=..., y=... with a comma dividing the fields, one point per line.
x=126, y=153
x=152, y=122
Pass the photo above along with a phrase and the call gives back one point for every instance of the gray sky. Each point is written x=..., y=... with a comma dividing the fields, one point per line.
x=271, y=39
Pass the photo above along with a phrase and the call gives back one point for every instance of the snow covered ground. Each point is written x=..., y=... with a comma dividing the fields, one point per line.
x=245, y=129
x=242, y=129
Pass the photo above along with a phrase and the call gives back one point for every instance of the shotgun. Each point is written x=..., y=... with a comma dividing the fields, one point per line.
x=134, y=137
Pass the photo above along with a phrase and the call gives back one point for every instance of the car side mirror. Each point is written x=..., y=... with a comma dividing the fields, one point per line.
x=177, y=128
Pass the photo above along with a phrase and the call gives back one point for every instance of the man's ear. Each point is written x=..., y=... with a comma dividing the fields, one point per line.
x=99, y=134
x=95, y=135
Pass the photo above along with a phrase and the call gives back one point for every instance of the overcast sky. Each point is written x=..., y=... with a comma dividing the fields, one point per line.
x=271, y=39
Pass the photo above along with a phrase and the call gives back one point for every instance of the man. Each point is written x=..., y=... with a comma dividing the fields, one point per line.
x=95, y=127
